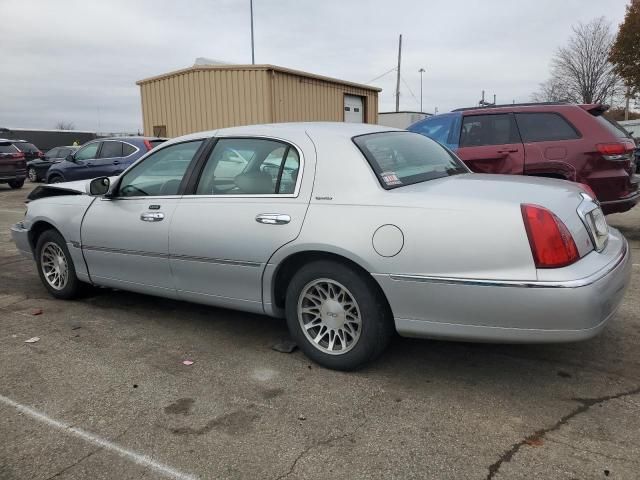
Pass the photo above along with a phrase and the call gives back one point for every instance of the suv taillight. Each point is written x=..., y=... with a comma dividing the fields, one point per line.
x=147, y=144
x=616, y=150
x=17, y=155
x=551, y=243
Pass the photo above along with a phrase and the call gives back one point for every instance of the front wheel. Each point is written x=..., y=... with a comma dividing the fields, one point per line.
x=32, y=174
x=337, y=315
x=16, y=183
x=55, y=266
x=55, y=179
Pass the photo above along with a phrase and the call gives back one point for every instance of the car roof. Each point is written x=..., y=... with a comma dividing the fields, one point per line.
x=129, y=139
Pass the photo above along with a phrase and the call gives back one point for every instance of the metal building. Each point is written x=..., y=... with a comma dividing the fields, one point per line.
x=206, y=97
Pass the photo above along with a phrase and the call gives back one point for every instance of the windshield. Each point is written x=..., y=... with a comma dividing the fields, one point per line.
x=404, y=158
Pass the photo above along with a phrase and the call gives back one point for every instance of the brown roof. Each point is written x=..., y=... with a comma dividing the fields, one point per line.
x=204, y=68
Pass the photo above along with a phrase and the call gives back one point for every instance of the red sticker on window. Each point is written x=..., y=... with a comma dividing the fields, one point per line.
x=390, y=178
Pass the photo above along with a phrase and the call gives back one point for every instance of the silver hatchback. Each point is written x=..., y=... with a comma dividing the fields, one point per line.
x=351, y=232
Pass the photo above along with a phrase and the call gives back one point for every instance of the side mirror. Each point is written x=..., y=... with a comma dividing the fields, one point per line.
x=70, y=158
x=99, y=186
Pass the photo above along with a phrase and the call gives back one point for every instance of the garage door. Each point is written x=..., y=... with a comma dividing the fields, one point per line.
x=353, y=111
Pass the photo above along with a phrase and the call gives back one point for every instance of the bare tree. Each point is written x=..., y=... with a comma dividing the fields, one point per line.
x=64, y=126
x=581, y=71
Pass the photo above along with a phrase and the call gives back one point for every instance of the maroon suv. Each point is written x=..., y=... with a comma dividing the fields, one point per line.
x=13, y=166
x=558, y=140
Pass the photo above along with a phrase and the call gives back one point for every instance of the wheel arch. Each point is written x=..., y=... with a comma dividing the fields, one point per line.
x=278, y=276
x=37, y=229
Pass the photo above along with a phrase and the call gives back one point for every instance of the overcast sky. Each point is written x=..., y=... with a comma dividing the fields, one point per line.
x=78, y=61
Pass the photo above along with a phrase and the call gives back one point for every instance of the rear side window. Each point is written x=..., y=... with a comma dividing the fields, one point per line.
x=613, y=127
x=544, y=127
x=479, y=130
x=111, y=150
x=248, y=166
x=127, y=149
x=442, y=128
x=403, y=158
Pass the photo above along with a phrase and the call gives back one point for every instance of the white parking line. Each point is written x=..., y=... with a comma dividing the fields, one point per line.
x=138, y=458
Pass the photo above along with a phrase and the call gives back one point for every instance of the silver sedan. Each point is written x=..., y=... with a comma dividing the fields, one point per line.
x=351, y=232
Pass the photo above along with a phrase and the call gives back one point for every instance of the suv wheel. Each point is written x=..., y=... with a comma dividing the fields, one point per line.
x=55, y=266
x=336, y=316
x=32, y=174
x=16, y=183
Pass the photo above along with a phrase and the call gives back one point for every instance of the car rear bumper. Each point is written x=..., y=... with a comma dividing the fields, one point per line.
x=621, y=205
x=508, y=312
x=15, y=175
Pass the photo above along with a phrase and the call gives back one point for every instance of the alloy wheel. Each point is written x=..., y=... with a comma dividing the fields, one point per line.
x=54, y=265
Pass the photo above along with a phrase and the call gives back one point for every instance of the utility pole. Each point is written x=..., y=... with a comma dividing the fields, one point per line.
x=626, y=107
x=494, y=99
x=422, y=70
x=398, y=78
x=253, y=56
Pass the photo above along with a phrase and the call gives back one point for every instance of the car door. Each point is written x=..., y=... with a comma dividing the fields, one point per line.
x=109, y=159
x=490, y=143
x=82, y=165
x=246, y=204
x=125, y=237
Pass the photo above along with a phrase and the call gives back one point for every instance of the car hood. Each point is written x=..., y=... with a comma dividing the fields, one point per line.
x=78, y=187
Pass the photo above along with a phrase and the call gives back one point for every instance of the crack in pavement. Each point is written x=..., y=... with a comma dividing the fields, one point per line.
x=327, y=441
x=585, y=405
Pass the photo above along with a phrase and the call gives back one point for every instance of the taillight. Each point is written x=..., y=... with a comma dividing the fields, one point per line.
x=148, y=145
x=551, y=243
x=17, y=155
x=616, y=150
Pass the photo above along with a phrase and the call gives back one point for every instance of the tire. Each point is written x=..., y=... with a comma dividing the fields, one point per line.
x=52, y=245
x=359, y=343
x=55, y=179
x=33, y=175
x=16, y=183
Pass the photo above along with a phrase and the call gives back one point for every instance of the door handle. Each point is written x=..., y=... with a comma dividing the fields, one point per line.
x=508, y=150
x=273, y=218
x=116, y=162
x=152, y=217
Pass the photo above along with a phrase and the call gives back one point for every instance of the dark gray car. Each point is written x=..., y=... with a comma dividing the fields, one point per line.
x=37, y=169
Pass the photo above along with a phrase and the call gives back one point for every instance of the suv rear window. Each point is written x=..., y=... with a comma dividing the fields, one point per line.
x=403, y=158
x=26, y=147
x=544, y=127
x=7, y=148
x=613, y=127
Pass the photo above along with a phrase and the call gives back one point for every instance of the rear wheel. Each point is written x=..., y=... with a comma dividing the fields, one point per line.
x=337, y=316
x=16, y=183
x=55, y=179
x=55, y=266
x=32, y=174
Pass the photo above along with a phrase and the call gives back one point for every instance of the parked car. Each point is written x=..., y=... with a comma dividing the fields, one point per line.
x=30, y=151
x=37, y=169
x=348, y=230
x=13, y=168
x=102, y=157
x=556, y=140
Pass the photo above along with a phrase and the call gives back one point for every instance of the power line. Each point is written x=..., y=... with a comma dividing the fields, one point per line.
x=380, y=76
x=410, y=91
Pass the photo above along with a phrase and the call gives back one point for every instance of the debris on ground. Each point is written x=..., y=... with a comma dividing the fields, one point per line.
x=187, y=362
x=534, y=442
x=36, y=311
x=284, y=345
x=32, y=340
x=301, y=417
x=76, y=327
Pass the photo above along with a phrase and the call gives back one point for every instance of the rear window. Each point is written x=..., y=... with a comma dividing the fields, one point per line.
x=613, y=127
x=27, y=147
x=491, y=129
x=7, y=148
x=544, y=127
x=404, y=158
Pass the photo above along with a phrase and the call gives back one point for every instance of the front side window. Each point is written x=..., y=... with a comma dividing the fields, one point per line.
x=404, y=158
x=53, y=153
x=62, y=153
x=544, y=127
x=88, y=152
x=479, y=130
x=441, y=128
x=248, y=166
x=111, y=150
x=160, y=173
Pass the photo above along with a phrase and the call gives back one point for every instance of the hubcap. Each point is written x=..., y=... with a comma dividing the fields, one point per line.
x=54, y=265
x=32, y=175
x=329, y=316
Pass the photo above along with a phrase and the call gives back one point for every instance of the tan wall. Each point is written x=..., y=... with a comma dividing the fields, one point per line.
x=199, y=100
x=304, y=99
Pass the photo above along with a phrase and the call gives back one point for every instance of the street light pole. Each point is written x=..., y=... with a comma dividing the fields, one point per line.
x=422, y=70
x=253, y=57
